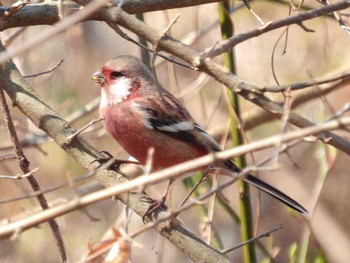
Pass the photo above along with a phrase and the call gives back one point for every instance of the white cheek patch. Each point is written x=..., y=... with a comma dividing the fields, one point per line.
x=179, y=126
x=119, y=90
x=104, y=98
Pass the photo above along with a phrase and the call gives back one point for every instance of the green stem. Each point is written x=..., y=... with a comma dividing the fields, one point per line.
x=144, y=53
x=245, y=205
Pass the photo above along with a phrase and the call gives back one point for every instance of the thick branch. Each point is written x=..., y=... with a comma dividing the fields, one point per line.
x=46, y=13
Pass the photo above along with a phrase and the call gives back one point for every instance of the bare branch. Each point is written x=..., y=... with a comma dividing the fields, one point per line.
x=90, y=124
x=19, y=176
x=48, y=13
x=172, y=172
x=343, y=76
x=24, y=165
x=258, y=116
x=226, y=45
x=265, y=234
x=58, y=28
x=10, y=38
x=46, y=71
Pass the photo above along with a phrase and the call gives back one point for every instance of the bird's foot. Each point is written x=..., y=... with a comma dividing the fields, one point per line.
x=115, y=163
x=155, y=206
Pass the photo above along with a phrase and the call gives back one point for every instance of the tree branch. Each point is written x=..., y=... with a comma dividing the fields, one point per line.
x=295, y=19
x=254, y=118
x=46, y=13
x=33, y=182
x=171, y=172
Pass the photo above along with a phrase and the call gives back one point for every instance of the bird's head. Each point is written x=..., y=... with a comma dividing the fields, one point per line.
x=122, y=77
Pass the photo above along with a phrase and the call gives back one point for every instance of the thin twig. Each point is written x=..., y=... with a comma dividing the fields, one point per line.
x=284, y=120
x=14, y=8
x=127, y=38
x=19, y=176
x=273, y=56
x=343, y=76
x=255, y=117
x=72, y=118
x=337, y=17
x=24, y=165
x=8, y=156
x=246, y=3
x=203, y=177
x=45, y=191
x=226, y=45
x=91, y=123
x=340, y=112
x=46, y=71
x=13, y=35
x=265, y=234
x=52, y=31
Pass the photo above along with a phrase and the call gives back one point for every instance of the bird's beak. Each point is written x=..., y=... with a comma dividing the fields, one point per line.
x=99, y=78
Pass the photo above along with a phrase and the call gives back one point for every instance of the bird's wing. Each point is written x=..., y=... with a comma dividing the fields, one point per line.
x=168, y=116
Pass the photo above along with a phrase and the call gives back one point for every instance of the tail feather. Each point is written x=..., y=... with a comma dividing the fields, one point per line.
x=269, y=189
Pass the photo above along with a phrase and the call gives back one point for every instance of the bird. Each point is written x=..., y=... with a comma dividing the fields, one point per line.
x=140, y=114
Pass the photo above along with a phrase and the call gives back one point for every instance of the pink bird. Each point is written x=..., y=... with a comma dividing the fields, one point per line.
x=140, y=114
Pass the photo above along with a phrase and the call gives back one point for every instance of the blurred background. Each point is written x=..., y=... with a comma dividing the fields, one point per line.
x=86, y=46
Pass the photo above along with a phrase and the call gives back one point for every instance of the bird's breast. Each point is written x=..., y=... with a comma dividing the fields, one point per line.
x=128, y=128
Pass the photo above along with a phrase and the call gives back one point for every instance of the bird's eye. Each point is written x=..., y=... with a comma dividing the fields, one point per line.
x=116, y=74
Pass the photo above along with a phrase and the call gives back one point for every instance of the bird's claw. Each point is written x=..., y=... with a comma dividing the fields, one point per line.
x=115, y=165
x=106, y=156
x=154, y=206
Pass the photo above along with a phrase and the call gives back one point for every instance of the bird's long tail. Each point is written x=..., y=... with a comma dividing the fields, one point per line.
x=269, y=189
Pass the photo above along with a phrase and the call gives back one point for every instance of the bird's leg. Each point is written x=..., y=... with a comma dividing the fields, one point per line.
x=157, y=204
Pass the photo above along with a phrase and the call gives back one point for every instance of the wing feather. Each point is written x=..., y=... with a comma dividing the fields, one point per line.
x=172, y=119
